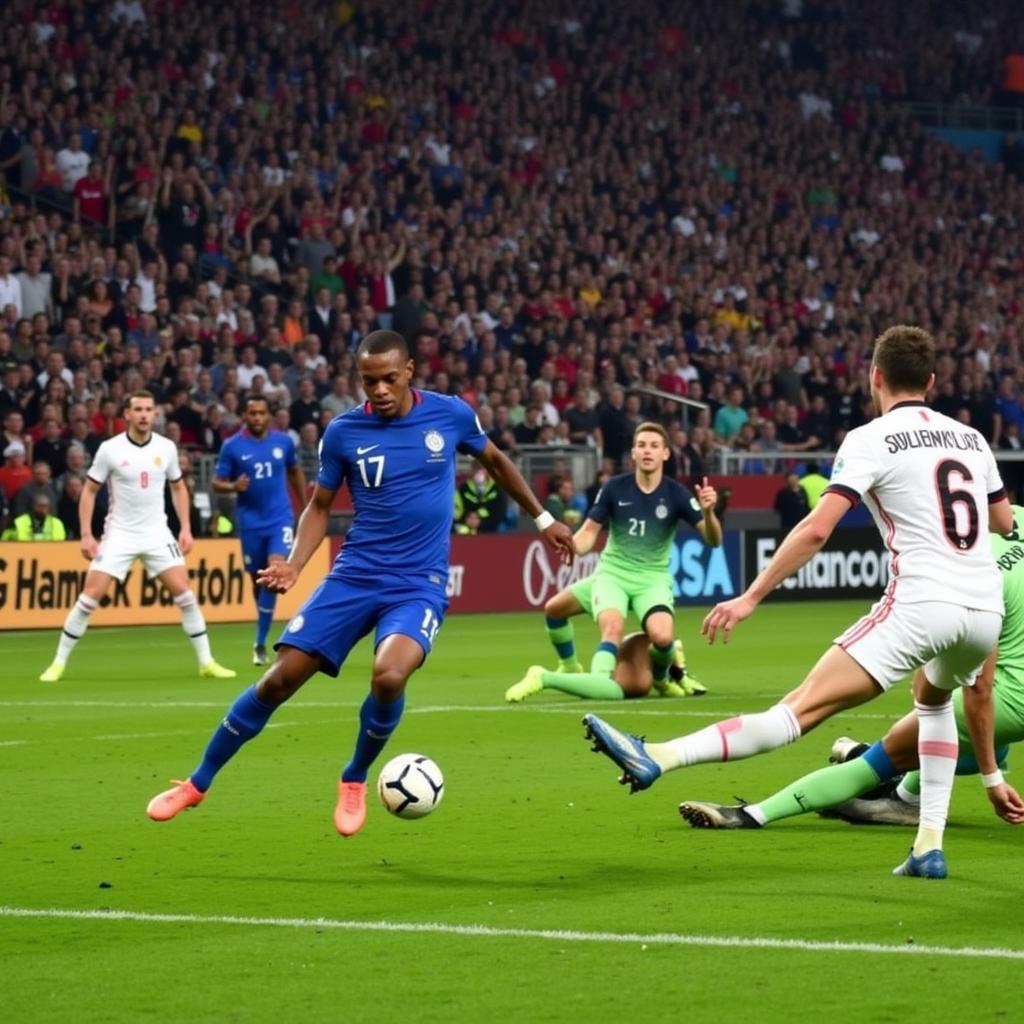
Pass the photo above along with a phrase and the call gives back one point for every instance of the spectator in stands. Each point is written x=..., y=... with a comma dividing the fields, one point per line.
x=340, y=398
x=563, y=502
x=52, y=447
x=791, y=503
x=479, y=503
x=813, y=483
x=14, y=474
x=308, y=452
x=731, y=417
x=36, y=524
x=67, y=507
x=306, y=408
x=40, y=482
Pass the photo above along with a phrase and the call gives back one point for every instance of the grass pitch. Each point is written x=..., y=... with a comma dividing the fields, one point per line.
x=537, y=892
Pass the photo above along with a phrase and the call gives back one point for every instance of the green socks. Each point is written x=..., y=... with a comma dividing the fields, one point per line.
x=603, y=661
x=560, y=633
x=661, y=658
x=590, y=685
x=823, y=788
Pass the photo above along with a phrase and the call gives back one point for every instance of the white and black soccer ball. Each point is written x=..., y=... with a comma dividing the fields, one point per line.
x=410, y=786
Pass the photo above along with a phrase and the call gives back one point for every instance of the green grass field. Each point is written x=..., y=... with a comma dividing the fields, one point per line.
x=539, y=890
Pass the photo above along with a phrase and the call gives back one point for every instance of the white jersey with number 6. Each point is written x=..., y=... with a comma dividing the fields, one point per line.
x=136, y=474
x=927, y=481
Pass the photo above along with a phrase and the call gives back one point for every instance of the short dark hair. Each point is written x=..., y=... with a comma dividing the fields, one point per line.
x=906, y=357
x=249, y=399
x=141, y=393
x=650, y=427
x=376, y=343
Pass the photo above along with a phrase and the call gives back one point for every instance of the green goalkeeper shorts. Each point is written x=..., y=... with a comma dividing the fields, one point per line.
x=604, y=591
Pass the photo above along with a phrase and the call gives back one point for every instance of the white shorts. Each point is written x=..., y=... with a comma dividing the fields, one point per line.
x=118, y=552
x=951, y=642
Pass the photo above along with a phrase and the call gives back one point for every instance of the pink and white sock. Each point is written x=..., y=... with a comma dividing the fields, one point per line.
x=937, y=751
x=731, y=740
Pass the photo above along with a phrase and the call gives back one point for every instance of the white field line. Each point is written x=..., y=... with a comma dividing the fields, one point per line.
x=573, y=707
x=117, y=736
x=477, y=931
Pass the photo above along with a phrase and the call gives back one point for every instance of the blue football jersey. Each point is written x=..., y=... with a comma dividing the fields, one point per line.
x=265, y=504
x=401, y=473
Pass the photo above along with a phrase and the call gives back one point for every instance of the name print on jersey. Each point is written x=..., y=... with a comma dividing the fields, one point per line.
x=906, y=440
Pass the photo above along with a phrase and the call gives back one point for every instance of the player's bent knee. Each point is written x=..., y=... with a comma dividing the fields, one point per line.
x=389, y=680
x=278, y=684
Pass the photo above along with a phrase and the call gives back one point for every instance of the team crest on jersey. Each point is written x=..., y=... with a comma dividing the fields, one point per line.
x=278, y=453
x=434, y=441
x=661, y=511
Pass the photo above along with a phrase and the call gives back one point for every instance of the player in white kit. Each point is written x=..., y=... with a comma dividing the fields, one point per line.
x=932, y=487
x=136, y=465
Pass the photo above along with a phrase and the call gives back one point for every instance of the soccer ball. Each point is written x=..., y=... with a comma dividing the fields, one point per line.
x=410, y=785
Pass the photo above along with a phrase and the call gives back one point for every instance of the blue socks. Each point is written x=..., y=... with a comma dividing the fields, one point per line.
x=245, y=718
x=265, y=603
x=377, y=722
x=880, y=762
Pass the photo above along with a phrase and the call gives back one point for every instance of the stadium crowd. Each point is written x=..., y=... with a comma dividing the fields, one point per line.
x=565, y=207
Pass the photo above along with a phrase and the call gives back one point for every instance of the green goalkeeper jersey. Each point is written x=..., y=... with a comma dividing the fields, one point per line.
x=641, y=527
x=1009, y=556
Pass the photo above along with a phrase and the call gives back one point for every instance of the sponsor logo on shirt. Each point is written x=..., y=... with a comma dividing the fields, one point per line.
x=296, y=624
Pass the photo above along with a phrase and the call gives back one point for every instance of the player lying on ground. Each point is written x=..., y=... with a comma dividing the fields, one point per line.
x=996, y=702
x=397, y=453
x=258, y=464
x=641, y=510
x=619, y=685
x=932, y=486
x=135, y=465
x=632, y=677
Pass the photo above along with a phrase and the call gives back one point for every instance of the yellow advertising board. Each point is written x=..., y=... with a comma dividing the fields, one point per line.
x=40, y=581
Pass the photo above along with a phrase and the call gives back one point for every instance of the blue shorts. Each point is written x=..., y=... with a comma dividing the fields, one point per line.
x=339, y=613
x=259, y=545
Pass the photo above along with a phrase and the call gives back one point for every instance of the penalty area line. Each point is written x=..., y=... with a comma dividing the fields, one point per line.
x=546, y=934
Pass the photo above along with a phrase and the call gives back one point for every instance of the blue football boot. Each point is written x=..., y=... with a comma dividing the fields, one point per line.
x=929, y=865
x=638, y=770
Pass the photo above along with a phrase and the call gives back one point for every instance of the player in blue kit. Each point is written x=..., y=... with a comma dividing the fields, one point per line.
x=258, y=464
x=397, y=454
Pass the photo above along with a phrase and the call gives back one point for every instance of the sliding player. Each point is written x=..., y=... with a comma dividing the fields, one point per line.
x=932, y=486
x=998, y=711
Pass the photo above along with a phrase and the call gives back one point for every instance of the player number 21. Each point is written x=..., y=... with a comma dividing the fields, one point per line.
x=637, y=527
x=376, y=464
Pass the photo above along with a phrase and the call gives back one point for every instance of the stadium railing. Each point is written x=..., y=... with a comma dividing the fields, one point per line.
x=967, y=116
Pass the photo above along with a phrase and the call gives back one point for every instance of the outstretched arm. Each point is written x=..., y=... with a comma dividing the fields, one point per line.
x=557, y=535
x=802, y=543
x=710, y=527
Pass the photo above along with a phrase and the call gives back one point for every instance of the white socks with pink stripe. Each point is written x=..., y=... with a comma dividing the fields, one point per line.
x=937, y=750
x=731, y=740
x=75, y=625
